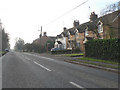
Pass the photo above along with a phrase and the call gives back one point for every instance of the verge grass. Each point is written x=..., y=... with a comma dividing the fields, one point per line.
x=98, y=60
x=73, y=55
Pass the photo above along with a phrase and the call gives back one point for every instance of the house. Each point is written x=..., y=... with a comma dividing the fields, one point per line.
x=61, y=40
x=66, y=40
x=71, y=38
x=111, y=25
x=104, y=27
x=80, y=36
x=45, y=43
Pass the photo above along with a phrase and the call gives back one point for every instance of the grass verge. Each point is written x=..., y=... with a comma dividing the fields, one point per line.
x=73, y=55
x=98, y=60
x=97, y=64
x=2, y=53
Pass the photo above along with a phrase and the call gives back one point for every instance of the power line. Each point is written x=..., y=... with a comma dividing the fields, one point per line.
x=67, y=12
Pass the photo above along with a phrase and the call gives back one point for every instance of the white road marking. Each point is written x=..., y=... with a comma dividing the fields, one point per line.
x=40, y=56
x=42, y=66
x=78, y=86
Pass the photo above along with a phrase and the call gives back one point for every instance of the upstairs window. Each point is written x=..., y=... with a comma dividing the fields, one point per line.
x=100, y=27
x=76, y=34
x=86, y=31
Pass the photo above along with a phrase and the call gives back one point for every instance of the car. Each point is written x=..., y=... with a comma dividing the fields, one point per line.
x=6, y=50
x=55, y=49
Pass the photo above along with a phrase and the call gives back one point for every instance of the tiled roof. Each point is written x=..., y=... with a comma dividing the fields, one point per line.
x=59, y=36
x=92, y=25
x=72, y=31
x=81, y=28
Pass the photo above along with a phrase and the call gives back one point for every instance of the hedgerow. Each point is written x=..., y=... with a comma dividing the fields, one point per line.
x=103, y=49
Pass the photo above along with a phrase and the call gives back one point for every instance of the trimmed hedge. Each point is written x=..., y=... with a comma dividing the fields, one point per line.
x=103, y=49
x=62, y=51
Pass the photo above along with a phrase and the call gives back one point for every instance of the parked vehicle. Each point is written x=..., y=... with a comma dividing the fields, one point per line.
x=55, y=49
x=6, y=50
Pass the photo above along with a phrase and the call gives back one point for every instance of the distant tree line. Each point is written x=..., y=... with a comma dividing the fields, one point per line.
x=5, y=40
x=20, y=45
x=38, y=48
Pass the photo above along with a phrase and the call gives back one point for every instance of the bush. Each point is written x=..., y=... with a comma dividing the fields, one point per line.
x=103, y=49
x=62, y=51
x=77, y=50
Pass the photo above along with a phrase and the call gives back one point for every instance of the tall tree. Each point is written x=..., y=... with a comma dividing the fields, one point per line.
x=19, y=45
x=5, y=40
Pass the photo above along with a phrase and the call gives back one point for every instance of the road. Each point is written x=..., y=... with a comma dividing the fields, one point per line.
x=24, y=70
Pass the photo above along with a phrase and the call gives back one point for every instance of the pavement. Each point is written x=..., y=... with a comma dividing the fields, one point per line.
x=28, y=70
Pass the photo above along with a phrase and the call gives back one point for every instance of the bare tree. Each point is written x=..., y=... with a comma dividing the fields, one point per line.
x=19, y=45
x=110, y=8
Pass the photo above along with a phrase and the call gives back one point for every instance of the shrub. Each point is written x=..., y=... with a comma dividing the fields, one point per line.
x=62, y=51
x=103, y=49
x=77, y=50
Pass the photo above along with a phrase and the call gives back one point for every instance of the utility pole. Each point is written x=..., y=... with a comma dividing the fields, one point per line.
x=40, y=32
x=40, y=36
x=89, y=12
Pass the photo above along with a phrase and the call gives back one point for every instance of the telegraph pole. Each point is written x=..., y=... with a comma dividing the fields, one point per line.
x=40, y=36
x=40, y=32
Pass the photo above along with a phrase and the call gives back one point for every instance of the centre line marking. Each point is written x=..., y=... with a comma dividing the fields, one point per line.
x=78, y=86
x=42, y=66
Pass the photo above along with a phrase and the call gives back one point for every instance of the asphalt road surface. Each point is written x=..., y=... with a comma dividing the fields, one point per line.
x=24, y=70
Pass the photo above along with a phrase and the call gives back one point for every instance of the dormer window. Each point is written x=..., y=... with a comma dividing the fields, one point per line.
x=86, y=31
x=68, y=34
x=76, y=33
x=100, y=27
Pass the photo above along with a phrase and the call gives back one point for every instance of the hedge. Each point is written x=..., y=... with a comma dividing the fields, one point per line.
x=103, y=49
x=62, y=51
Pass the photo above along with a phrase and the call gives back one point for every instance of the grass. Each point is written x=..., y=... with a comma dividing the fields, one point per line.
x=73, y=55
x=97, y=64
x=2, y=52
x=98, y=60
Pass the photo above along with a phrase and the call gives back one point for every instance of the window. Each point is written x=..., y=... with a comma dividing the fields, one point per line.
x=100, y=27
x=76, y=34
x=68, y=35
x=86, y=31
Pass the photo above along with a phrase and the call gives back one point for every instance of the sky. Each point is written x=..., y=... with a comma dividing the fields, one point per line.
x=24, y=18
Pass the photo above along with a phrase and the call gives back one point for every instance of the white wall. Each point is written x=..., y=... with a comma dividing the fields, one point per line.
x=63, y=41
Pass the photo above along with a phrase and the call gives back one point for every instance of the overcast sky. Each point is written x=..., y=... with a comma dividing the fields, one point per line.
x=23, y=18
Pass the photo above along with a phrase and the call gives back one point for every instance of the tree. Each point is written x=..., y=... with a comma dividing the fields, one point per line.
x=19, y=45
x=49, y=44
x=110, y=8
x=5, y=40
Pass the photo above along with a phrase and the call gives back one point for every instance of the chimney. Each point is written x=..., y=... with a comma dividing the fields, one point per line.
x=45, y=34
x=93, y=16
x=76, y=23
x=64, y=29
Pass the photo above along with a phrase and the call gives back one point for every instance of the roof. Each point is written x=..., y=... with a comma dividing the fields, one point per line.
x=65, y=33
x=109, y=19
x=52, y=37
x=81, y=28
x=59, y=36
x=92, y=25
x=72, y=31
x=59, y=42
